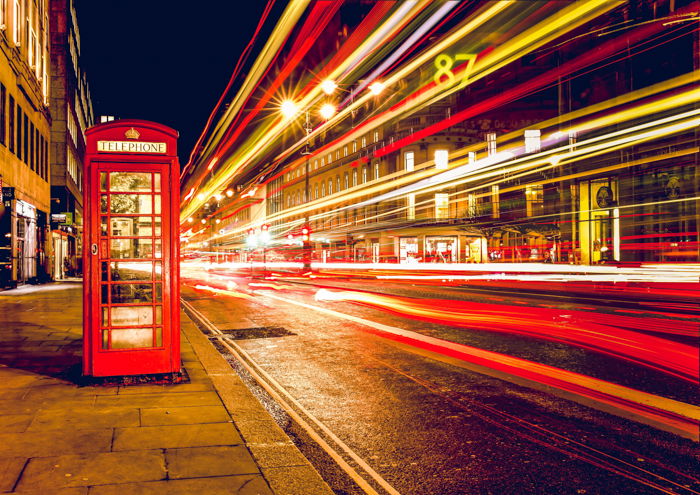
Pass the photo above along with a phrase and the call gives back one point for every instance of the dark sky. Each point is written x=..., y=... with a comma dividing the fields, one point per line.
x=164, y=60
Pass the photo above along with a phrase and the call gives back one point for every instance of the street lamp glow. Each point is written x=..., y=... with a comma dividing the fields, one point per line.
x=376, y=87
x=327, y=111
x=218, y=197
x=200, y=197
x=328, y=86
x=289, y=109
x=229, y=193
x=190, y=220
x=204, y=221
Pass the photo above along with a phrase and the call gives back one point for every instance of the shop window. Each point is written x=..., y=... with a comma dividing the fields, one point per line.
x=495, y=202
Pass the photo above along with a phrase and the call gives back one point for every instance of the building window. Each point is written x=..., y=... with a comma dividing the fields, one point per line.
x=354, y=178
x=330, y=158
x=534, y=200
x=3, y=10
x=345, y=151
x=11, y=123
x=441, y=159
x=376, y=171
x=471, y=205
x=315, y=164
x=532, y=140
x=323, y=189
x=316, y=192
x=337, y=183
x=408, y=161
x=364, y=141
x=337, y=154
x=3, y=100
x=20, y=151
x=16, y=23
x=346, y=179
x=491, y=143
x=411, y=207
x=495, y=202
x=364, y=174
x=376, y=136
x=442, y=206
x=354, y=146
x=323, y=161
x=330, y=186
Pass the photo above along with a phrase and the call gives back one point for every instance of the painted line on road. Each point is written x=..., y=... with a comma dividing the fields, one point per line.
x=283, y=398
x=680, y=417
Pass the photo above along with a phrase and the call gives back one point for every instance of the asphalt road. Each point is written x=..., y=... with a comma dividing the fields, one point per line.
x=411, y=423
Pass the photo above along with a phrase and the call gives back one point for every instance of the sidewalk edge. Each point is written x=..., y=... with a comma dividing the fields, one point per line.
x=282, y=464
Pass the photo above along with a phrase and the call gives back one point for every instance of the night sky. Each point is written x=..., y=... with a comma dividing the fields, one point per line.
x=164, y=60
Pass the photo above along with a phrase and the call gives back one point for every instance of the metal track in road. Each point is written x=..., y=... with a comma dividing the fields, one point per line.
x=319, y=432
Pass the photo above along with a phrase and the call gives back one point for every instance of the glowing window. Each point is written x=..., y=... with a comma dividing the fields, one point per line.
x=354, y=146
x=442, y=205
x=354, y=178
x=408, y=161
x=364, y=174
x=376, y=171
x=411, y=207
x=441, y=159
x=532, y=140
x=364, y=141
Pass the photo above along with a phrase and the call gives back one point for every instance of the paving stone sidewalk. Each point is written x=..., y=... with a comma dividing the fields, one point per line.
x=208, y=436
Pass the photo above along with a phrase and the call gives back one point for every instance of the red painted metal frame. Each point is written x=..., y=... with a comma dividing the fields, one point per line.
x=116, y=362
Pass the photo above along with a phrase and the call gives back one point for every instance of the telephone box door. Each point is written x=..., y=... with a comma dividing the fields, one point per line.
x=131, y=300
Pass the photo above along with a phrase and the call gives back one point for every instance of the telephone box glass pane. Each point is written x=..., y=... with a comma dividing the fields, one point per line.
x=156, y=226
x=159, y=271
x=131, y=248
x=105, y=316
x=104, y=272
x=103, y=181
x=132, y=293
x=104, y=227
x=132, y=315
x=131, y=203
x=105, y=294
x=159, y=337
x=159, y=292
x=156, y=199
x=132, y=226
x=159, y=315
x=129, y=338
x=105, y=339
x=131, y=270
x=158, y=250
x=103, y=203
x=156, y=182
x=130, y=181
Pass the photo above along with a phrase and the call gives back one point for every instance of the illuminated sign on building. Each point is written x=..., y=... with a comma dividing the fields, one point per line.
x=131, y=147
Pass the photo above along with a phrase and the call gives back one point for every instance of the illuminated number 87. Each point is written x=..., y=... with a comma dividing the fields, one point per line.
x=444, y=63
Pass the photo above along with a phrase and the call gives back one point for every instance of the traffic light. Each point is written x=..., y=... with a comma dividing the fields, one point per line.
x=265, y=227
x=305, y=234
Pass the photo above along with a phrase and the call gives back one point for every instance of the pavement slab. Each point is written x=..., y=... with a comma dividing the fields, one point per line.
x=221, y=485
x=174, y=436
x=208, y=398
x=296, y=480
x=184, y=415
x=200, y=462
x=47, y=443
x=66, y=471
x=10, y=470
x=84, y=417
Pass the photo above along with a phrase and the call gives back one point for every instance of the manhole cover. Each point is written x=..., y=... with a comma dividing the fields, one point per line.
x=257, y=333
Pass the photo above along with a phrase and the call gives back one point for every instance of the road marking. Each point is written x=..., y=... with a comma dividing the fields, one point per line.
x=283, y=398
x=683, y=418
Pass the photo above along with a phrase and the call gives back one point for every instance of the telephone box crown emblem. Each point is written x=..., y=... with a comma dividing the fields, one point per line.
x=132, y=134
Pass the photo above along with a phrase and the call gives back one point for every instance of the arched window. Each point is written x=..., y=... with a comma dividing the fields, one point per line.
x=330, y=186
x=346, y=179
x=337, y=183
x=323, y=189
x=364, y=174
x=316, y=191
x=376, y=171
x=354, y=178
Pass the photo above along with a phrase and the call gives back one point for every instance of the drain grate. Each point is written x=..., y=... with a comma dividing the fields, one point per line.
x=257, y=333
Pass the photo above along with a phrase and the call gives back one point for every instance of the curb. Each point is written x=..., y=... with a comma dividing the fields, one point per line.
x=283, y=466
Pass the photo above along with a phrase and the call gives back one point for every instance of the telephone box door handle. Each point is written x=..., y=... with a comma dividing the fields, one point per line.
x=93, y=249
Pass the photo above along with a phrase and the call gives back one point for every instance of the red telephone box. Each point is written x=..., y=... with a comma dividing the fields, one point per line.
x=131, y=307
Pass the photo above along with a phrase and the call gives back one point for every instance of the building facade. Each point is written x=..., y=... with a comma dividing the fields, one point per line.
x=24, y=141
x=72, y=113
